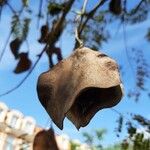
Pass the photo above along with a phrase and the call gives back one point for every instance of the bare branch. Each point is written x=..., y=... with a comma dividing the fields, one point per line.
x=126, y=50
x=11, y=8
x=53, y=36
x=122, y=115
x=9, y=36
x=79, y=19
x=57, y=28
x=4, y=49
x=27, y=75
x=40, y=13
x=138, y=6
x=89, y=16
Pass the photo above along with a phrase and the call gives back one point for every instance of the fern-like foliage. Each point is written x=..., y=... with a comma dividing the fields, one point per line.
x=16, y=26
x=25, y=28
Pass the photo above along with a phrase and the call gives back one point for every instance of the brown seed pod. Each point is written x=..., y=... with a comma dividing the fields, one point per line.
x=79, y=86
x=44, y=34
x=14, y=47
x=2, y=2
x=55, y=8
x=45, y=140
x=24, y=63
x=115, y=7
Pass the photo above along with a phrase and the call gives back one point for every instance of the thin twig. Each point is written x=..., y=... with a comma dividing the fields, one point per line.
x=78, y=20
x=1, y=9
x=126, y=49
x=11, y=8
x=137, y=7
x=50, y=43
x=27, y=44
x=91, y=14
x=122, y=115
x=27, y=75
x=9, y=36
x=78, y=39
x=4, y=49
x=40, y=13
x=84, y=6
x=88, y=16
x=116, y=111
x=57, y=28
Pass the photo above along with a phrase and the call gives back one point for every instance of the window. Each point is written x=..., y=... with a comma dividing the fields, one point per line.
x=29, y=128
x=13, y=121
x=9, y=143
x=25, y=146
x=1, y=112
x=1, y=139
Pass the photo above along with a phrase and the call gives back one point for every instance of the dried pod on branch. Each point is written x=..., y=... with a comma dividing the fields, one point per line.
x=2, y=2
x=44, y=34
x=54, y=50
x=45, y=140
x=55, y=8
x=14, y=46
x=79, y=86
x=115, y=7
x=24, y=63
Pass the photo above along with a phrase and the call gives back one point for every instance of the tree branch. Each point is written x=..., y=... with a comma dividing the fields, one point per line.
x=89, y=16
x=4, y=49
x=9, y=36
x=79, y=19
x=137, y=7
x=57, y=27
x=27, y=75
x=40, y=13
x=53, y=37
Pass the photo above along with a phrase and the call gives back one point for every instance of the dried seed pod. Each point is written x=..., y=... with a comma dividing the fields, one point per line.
x=79, y=86
x=24, y=63
x=2, y=2
x=115, y=7
x=54, y=50
x=45, y=140
x=44, y=34
x=14, y=46
x=55, y=8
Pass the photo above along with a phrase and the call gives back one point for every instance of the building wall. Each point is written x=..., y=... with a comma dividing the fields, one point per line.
x=17, y=132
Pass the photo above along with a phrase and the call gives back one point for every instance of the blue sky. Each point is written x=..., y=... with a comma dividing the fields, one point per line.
x=25, y=98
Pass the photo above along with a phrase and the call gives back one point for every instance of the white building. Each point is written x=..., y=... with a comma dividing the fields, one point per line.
x=17, y=132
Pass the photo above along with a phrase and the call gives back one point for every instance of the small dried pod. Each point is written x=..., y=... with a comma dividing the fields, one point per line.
x=44, y=34
x=24, y=63
x=14, y=47
x=45, y=140
x=115, y=7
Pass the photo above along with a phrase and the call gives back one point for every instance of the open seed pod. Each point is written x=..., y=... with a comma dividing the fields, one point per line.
x=79, y=86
